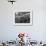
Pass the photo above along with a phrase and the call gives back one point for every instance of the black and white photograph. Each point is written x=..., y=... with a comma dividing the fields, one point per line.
x=23, y=18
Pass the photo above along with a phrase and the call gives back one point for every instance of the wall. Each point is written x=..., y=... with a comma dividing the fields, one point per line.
x=9, y=31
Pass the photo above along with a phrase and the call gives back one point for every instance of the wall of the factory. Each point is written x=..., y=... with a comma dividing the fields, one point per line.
x=9, y=31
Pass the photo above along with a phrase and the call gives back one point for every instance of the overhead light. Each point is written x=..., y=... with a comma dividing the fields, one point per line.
x=12, y=1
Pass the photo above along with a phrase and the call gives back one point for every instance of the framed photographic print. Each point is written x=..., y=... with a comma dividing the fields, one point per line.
x=23, y=18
